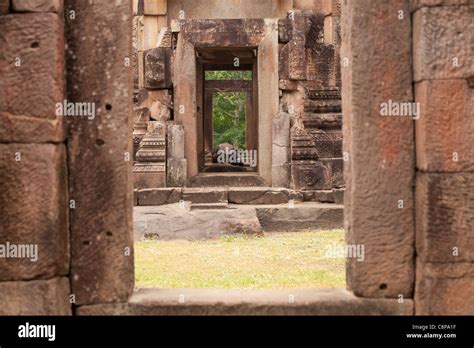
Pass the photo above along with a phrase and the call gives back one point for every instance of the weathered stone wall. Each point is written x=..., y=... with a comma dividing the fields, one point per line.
x=307, y=157
x=227, y=9
x=152, y=83
x=310, y=96
x=443, y=49
x=62, y=185
x=33, y=165
x=424, y=233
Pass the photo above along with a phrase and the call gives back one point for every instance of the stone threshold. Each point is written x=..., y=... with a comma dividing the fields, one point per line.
x=204, y=302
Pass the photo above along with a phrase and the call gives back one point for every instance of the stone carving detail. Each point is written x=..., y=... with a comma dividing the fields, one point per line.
x=158, y=72
x=165, y=38
x=140, y=126
x=151, y=156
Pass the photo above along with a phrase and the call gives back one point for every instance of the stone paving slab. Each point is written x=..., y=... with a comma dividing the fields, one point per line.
x=191, y=221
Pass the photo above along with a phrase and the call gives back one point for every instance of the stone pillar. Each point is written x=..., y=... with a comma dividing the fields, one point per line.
x=379, y=171
x=33, y=175
x=444, y=89
x=176, y=163
x=281, y=150
x=100, y=152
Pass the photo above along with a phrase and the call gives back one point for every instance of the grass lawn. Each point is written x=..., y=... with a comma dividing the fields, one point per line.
x=277, y=261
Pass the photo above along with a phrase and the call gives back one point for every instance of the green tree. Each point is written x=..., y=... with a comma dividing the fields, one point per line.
x=228, y=109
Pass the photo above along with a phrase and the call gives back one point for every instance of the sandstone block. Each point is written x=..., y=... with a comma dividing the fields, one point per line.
x=227, y=179
x=315, y=175
x=297, y=60
x=154, y=7
x=177, y=221
x=151, y=28
x=257, y=195
x=281, y=175
x=444, y=132
x=444, y=215
x=281, y=150
x=158, y=196
x=442, y=42
x=176, y=141
x=416, y=4
x=444, y=289
x=37, y=6
x=35, y=297
x=149, y=180
x=381, y=149
x=320, y=7
x=34, y=208
x=158, y=68
x=205, y=195
x=302, y=217
x=176, y=172
x=323, y=196
x=32, y=69
x=4, y=6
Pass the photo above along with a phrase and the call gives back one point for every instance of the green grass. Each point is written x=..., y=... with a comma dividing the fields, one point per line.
x=276, y=261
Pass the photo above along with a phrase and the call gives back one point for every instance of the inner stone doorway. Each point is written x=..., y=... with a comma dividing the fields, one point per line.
x=218, y=45
x=229, y=121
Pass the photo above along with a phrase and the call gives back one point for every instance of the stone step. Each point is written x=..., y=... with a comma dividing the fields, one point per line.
x=332, y=301
x=205, y=195
x=261, y=195
x=225, y=168
x=234, y=195
x=227, y=179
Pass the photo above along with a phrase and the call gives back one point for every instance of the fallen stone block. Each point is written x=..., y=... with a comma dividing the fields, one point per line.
x=303, y=217
x=178, y=221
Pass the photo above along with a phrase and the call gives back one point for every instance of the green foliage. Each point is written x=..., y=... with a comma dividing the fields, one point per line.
x=228, y=109
x=228, y=75
x=228, y=118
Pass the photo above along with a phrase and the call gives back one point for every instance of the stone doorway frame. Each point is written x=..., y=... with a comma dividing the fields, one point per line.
x=260, y=34
x=222, y=86
x=102, y=272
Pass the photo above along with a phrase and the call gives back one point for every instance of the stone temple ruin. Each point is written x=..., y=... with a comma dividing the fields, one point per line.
x=293, y=119
x=66, y=184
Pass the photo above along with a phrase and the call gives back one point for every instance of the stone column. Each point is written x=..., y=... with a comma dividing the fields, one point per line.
x=100, y=151
x=379, y=171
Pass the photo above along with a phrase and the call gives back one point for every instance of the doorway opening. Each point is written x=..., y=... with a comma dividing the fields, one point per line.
x=229, y=110
x=229, y=121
